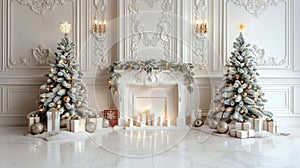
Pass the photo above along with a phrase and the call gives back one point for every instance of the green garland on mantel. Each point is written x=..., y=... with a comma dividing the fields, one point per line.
x=148, y=66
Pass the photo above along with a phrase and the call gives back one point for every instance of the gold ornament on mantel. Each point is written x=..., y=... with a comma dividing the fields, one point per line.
x=67, y=99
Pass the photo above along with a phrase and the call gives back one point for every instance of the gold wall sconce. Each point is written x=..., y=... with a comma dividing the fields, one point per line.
x=99, y=26
x=201, y=27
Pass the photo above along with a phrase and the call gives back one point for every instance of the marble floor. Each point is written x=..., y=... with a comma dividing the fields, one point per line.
x=142, y=149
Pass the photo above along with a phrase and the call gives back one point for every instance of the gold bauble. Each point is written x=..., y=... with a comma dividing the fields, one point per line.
x=229, y=109
x=249, y=86
x=47, y=89
x=78, y=103
x=237, y=76
x=244, y=94
x=67, y=99
x=41, y=106
x=70, y=63
x=234, y=96
x=61, y=61
x=241, y=111
x=242, y=81
x=58, y=106
x=246, y=64
x=51, y=86
x=255, y=99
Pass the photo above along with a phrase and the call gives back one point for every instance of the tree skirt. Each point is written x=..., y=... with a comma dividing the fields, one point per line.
x=66, y=135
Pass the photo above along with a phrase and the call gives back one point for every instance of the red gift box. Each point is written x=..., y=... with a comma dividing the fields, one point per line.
x=112, y=117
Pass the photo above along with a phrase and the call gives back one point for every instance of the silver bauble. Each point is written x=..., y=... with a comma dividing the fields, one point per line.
x=198, y=123
x=37, y=128
x=222, y=127
x=212, y=123
x=90, y=127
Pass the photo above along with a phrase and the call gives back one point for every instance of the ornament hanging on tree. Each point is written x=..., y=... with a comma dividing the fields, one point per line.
x=245, y=100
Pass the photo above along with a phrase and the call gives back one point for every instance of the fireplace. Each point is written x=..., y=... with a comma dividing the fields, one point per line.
x=150, y=101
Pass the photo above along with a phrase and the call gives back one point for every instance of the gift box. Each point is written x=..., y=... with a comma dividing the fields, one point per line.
x=65, y=122
x=256, y=124
x=77, y=125
x=53, y=120
x=98, y=121
x=112, y=117
x=270, y=125
x=32, y=120
x=243, y=126
x=242, y=133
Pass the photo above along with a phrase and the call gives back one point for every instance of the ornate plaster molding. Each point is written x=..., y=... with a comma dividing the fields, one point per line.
x=256, y=7
x=139, y=37
x=40, y=7
x=151, y=2
x=40, y=57
x=99, y=48
x=200, y=42
x=263, y=60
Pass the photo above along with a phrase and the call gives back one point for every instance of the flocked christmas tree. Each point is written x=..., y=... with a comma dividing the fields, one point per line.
x=64, y=90
x=240, y=96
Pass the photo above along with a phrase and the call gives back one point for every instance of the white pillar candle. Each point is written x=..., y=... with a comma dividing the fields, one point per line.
x=160, y=121
x=130, y=122
x=137, y=120
x=143, y=120
x=199, y=114
x=154, y=120
x=193, y=116
x=168, y=122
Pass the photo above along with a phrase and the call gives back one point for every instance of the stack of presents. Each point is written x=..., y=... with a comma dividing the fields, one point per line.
x=247, y=129
x=57, y=122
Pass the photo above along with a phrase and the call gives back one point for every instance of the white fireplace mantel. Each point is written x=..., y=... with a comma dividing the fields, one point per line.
x=158, y=86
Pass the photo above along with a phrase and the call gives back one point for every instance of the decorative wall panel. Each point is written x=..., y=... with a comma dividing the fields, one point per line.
x=200, y=42
x=25, y=43
x=279, y=99
x=273, y=54
x=1, y=100
x=151, y=29
x=20, y=100
x=296, y=100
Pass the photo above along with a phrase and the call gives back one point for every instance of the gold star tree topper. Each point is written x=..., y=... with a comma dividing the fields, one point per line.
x=242, y=27
x=65, y=27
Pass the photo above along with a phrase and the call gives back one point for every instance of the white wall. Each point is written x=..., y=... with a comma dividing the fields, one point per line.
x=28, y=28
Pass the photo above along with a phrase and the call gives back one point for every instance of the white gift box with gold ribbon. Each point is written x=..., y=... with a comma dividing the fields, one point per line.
x=53, y=120
x=96, y=120
x=242, y=133
x=256, y=124
x=77, y=125
x=270, y=125
x=243, y=126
